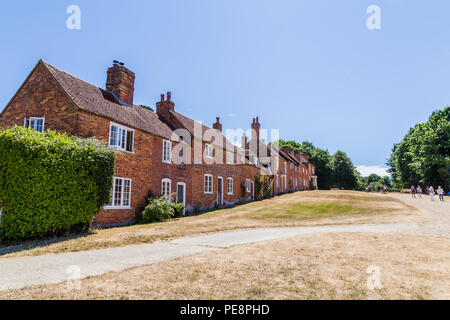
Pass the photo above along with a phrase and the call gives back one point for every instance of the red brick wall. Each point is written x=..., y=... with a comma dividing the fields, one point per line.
x=41, y=96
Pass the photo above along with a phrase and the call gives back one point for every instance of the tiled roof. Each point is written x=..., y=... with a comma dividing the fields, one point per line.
x=98, y=101
x=189, y=124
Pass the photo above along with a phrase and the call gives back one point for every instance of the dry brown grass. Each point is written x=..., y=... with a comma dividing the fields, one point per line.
x=302, y=208
x=322, y=266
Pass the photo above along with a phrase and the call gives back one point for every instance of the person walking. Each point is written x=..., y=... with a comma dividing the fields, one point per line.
x=440, y=192
x=431, y=192
x=419, y=191
x=413, y=191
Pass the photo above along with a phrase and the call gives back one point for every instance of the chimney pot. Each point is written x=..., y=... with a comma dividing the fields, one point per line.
x=164, y=107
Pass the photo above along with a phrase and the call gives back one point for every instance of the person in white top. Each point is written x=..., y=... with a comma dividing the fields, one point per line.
x=419, y=191
x=440, y=192
x=431, y=192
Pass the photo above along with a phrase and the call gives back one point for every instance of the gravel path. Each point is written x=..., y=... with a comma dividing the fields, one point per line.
x=439, y=225
x=26, y=271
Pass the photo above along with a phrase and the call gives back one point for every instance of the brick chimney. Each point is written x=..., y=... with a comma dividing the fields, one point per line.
x=305, y=156
x=286, y=149
x=120, y=80
x=244, y=141
x=256, y=128
x=217, y=125
x=298, y=155
x=164, y=106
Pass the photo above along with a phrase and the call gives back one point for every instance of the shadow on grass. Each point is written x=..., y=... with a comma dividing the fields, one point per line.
x=9, y=247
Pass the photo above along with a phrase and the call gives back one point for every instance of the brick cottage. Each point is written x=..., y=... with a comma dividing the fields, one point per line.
x=163, y=152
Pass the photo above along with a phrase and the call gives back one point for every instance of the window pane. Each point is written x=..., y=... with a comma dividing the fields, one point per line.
x=123, y=138
x=118, y=193
x=126, y=193
x=113, y=136
x=129, y=146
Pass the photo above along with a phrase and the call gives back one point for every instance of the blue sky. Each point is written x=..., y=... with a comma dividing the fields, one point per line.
x=309, y=68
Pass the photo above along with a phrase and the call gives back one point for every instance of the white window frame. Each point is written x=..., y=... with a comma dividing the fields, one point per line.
x=278, y=181
x=230, y=157
x=121, y=145
x=34, y=119
x=285, y=168
x=209, y=151
x=208, y=184
x=163, y=191
x=112, y=206
x=248, y=185
x=230, y=185
x=167, y=151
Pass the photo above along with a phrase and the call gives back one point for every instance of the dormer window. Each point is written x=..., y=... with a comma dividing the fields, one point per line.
x=208, y=151
x=36, y=124
x=121, y=138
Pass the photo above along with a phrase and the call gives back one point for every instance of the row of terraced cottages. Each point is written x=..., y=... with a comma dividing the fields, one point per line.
x=163, y=152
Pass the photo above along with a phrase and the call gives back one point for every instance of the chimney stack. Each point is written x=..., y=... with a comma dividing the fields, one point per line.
x=256, y=128
x=298, y=155
x=120, y=80
x=164, y=106
x=244, y=141
x=217, y=125
x=286, y=149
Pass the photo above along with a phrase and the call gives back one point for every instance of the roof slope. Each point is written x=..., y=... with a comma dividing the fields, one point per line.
x=189, y=124
x=98, y=101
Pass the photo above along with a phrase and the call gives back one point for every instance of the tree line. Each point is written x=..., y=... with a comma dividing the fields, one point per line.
x=423, y=156
x=334, y=171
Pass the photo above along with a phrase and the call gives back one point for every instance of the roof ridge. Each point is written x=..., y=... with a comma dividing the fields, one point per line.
x=71, y=75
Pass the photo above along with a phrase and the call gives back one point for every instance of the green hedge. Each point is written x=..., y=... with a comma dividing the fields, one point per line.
x=50, y=182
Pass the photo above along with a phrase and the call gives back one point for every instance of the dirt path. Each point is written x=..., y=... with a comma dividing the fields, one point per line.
x=27, y=271
x=439, y=225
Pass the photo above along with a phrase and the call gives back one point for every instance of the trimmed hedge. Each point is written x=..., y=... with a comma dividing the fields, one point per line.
x=50, y=182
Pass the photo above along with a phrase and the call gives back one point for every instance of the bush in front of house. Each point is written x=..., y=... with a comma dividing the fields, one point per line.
x=51, y=183
x=159, y=210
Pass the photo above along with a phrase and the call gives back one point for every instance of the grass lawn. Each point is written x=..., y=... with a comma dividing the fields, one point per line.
x=321, y=266
x=302, y=208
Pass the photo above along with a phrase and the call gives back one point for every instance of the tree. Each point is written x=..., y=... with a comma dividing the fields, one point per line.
x=344, y=172
x=423, y=156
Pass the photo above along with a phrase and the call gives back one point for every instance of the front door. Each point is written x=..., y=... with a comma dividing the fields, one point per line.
x=181, y=195
x=220, y=192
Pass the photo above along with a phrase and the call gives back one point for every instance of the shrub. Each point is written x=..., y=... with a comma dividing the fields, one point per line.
x=259, y=187
x=243, y=188
x=268, y=187
x=51, y=183
x=159, y=210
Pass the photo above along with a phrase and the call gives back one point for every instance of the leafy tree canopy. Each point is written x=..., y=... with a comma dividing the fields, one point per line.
x=423, y=156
